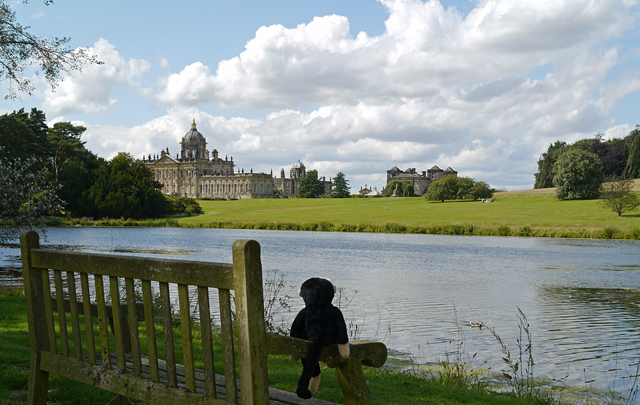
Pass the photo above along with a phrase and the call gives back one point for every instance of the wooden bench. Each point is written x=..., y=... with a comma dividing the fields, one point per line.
x=120, y=364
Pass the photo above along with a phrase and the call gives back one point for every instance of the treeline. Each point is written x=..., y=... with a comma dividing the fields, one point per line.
x=618, y=157
x=86, y=184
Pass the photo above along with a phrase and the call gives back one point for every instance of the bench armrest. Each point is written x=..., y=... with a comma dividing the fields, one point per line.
x=370, y=353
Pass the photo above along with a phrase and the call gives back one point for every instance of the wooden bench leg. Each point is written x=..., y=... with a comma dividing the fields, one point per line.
x=354, y=386
x=38, y=382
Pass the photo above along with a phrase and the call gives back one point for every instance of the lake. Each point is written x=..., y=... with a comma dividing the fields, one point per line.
x=418, y=293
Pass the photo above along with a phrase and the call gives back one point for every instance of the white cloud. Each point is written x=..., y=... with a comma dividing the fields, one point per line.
x=424, y=49
x=437, y=87
x=90, y=91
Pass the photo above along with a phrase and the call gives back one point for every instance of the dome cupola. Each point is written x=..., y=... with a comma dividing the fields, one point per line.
x=193, y=144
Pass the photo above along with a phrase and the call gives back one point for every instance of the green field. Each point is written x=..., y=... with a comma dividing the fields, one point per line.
x=520, y=213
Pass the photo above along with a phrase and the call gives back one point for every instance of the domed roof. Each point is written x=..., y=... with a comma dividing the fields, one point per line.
x=299, y=165
x=193, y=135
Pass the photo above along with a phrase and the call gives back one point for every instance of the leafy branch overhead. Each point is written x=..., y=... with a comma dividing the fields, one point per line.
x=21, y=50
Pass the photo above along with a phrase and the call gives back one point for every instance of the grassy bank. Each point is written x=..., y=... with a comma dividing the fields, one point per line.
x=387, y=387
x=521, y=213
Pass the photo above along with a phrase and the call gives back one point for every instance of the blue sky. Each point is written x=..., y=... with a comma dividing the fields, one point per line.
x=482, y=86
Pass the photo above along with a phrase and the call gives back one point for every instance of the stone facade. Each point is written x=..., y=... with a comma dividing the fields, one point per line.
x=198, y=174
x=422, y=180
x=290, y=187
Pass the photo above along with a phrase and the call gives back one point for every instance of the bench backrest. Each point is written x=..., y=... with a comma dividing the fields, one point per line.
x=132, y=281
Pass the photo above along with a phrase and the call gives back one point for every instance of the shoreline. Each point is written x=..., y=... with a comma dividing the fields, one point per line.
x=605, y=232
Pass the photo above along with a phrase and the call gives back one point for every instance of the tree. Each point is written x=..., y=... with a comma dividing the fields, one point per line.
x=20, y=50
x=577, y=174
x=632, y=144
x=23, y=136
x=25, y=197
x=310, y=185
x=481, y=189
x=405, y=188
x=124, y=188
x=65, y=144
x=340, y=186
x=544, y=177
x=617, y=196
x=444, y=189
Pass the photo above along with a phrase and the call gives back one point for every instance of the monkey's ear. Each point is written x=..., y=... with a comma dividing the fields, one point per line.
x=300, y=292
x=334, y=288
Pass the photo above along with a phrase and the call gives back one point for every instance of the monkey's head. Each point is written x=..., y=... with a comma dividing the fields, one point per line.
x=317, y=292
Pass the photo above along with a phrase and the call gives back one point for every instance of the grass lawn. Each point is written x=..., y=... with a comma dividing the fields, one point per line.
x=531, y=213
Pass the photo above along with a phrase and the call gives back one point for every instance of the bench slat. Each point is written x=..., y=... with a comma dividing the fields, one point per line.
x=187, y=344
x=207, y=342
x=121, y=383
x=133, y=326
x=48, y=309
x=217, y=275
x=62, y=319
x=75, y=321
x=117, y=320
x=224, y=298
x=152, y=349
x=167, y=331
x=102, y=320
x=88, y=322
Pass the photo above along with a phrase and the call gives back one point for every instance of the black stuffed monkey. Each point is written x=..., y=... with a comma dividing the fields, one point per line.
x=323, y=324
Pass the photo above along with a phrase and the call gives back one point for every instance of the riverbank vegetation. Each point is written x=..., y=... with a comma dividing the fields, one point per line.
x=388, y=385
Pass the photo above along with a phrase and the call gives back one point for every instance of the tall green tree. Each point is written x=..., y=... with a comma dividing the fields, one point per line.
x=23, y=136
x=310, y=185
x=21, y=50
x=340, y=186
x=544, y=177
x=632, y=145
x=577, y=175
x=64, y=144
x=124, y=188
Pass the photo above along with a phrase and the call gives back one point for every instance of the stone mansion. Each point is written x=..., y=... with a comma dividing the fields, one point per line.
x=198, y=173
x=420, y=181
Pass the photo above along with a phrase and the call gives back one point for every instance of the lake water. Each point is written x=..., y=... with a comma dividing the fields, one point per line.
x=418, y=293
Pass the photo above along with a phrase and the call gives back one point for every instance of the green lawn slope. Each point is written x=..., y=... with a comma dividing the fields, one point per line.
x=518, y=213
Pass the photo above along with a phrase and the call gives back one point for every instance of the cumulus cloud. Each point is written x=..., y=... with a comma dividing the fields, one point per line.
x=437, y=87
x=90, y=91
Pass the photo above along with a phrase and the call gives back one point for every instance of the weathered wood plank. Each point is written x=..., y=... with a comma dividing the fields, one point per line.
x=34, y=290
x=149, y=324
x=102, y=319
x=207, y=341
x=88, y=322
x=187, y=344
x=133, y=326
x=369, y=352
x=122, y=384
x=169, y=349
x=218, y=275
x=247, y=280
x=62, y=318
x=75, y=321
x=226, y=330
x=48, y=310
x=117, y=320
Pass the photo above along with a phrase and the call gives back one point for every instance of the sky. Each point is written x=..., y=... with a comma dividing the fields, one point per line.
x=356, y=86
